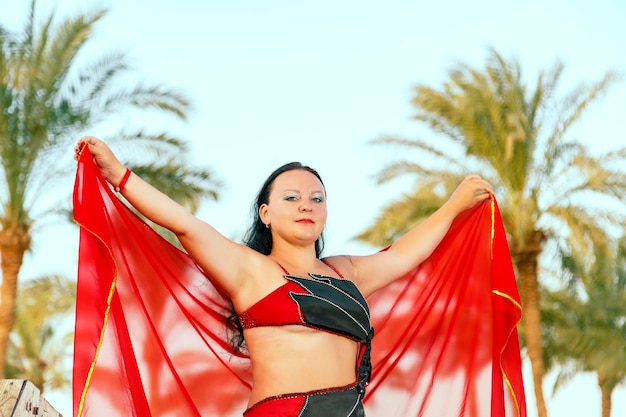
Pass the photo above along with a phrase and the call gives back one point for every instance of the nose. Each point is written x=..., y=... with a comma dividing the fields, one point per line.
x=305, y=206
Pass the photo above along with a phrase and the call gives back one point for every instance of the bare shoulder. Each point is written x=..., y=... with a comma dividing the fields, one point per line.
x=261, y=275
x=342, y=264
x=368, y=272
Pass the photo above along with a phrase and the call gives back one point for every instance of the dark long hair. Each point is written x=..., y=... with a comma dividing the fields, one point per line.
x=259, y=238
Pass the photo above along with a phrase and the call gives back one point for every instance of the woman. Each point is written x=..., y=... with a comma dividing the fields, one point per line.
x=305, y=320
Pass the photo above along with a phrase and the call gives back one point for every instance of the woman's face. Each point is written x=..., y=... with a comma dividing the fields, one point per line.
x=296, y=210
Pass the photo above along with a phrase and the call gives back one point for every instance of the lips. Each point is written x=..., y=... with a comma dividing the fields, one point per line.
x=305, y=221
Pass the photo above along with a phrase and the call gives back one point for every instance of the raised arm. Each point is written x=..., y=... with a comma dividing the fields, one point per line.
x=377, y=270
x=228, y=262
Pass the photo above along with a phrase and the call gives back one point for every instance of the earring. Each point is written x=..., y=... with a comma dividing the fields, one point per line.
x=267, y=225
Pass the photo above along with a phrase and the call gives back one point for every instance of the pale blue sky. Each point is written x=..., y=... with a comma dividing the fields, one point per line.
x=277, y=81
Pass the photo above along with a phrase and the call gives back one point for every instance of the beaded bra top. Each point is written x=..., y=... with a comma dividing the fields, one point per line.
x=321, y=302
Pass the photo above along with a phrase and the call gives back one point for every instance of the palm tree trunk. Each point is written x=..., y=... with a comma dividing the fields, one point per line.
x=13, y=244
x=526, y=262
x=607, y=391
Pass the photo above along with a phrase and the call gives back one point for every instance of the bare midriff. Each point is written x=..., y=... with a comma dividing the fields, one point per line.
x=294, y=359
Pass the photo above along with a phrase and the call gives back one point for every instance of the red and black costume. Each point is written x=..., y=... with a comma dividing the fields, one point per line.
x=327, y=304
x=151, y=340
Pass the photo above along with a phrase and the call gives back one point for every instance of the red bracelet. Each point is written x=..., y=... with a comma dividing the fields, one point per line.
x=120, y=187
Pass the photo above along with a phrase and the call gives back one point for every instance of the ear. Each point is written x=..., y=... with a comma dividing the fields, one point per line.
x=264, y=213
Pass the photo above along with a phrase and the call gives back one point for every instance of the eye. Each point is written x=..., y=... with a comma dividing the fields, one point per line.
x=318, y=199
x=291, y=197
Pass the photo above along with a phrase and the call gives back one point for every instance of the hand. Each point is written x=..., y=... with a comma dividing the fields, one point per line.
x=104, y=159
x=472, y=190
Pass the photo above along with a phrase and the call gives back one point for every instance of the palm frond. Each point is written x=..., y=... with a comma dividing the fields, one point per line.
x=47, y=96
x=402, y=215
x=183, y=183
x=588, y=325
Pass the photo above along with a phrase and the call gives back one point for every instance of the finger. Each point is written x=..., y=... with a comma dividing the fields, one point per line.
x=474, y=179
x=483, y=197
x=78, y=149
x=479, y=184
x=90, y=140
x=82, y=142
x=487, y=187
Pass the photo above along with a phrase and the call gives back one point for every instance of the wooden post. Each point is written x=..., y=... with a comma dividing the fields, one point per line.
x=20, y=398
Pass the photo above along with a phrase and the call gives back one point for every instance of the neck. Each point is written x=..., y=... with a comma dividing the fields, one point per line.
x=295, y=258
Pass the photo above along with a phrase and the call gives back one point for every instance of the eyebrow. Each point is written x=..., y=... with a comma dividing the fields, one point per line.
x=293, y=190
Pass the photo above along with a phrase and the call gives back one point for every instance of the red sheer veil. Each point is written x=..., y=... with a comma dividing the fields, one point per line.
x=150, y=334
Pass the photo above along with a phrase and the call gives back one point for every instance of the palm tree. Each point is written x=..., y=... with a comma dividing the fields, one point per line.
x=47, y=97
x=586, y=322
x=489, y=121
x=37, y=351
